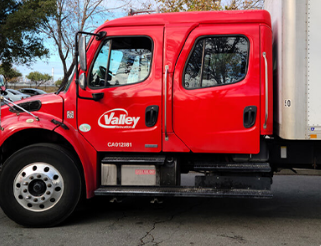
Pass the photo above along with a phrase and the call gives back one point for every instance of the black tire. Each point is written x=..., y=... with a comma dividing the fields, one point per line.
x=43, y=197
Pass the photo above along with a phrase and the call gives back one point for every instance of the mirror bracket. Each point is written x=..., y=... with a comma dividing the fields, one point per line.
x=98, y=96
x=101, y=35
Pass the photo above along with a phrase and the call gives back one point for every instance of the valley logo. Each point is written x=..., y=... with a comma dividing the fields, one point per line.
x=117, y=118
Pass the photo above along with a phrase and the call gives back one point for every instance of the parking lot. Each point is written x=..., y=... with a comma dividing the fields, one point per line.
x=292, y=217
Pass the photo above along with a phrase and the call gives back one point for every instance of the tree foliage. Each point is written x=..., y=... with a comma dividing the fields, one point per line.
x=38, y=78
x=244, y=4
x=19, y=23
x=207, y=5
x=58, y=82
x=188, y=5
x=11, y=75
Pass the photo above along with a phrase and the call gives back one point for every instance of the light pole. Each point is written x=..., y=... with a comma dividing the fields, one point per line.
x=53, y=79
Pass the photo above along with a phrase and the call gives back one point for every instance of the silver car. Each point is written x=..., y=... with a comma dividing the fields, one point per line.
x=14, y=95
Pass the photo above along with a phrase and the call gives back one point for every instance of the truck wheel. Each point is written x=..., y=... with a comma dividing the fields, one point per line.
x=40, y=185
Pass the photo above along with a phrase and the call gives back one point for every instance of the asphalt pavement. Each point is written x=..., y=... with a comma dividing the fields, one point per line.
x=292, y=217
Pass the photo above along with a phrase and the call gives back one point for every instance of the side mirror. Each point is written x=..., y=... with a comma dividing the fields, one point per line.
x=82, y=53
x=82, y=81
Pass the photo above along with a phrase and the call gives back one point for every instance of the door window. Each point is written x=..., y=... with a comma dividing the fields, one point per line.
x=128, y=62
x=216, y=61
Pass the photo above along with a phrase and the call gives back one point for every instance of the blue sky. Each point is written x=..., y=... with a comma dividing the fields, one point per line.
x=44, y=66
x=53, y=62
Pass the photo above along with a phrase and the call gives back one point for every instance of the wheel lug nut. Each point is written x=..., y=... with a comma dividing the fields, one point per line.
x=48, y=192
x=43, y=198
x=25, y=190
x=31, y=178
x=28, y=197
x=25, y=183
x=49, y=185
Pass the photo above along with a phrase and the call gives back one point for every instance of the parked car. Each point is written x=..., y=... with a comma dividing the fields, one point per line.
x=32, y=92
x=15, y=95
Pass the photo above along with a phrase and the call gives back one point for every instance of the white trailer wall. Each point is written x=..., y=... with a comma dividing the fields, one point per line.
x=297, y=61
x=314, y=64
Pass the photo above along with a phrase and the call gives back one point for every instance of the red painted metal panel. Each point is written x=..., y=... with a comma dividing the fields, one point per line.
x=174, y=144
x=204, y=17
x=210, y=120
x=52, y=108
x=131, y=100
x=69, y=98
x=174, y=39
x=87, y=155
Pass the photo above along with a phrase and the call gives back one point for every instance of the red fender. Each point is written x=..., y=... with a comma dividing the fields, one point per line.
x=86, y=153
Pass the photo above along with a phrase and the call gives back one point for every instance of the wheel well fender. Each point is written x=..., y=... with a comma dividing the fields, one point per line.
x=31, y=136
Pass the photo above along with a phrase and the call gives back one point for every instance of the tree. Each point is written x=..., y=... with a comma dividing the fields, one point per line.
x=38, y=78
x=206, y=5
x=11, y=75
x=71, y=16
x=188, y=5
x=58, y=82
x=244, y=4
x=19, y=24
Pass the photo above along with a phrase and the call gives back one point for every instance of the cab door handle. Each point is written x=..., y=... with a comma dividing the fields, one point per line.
x=151, y=115
x=249, y=116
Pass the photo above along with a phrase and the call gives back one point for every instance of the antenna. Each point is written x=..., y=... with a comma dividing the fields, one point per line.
x=132, y=12
x=53, y=79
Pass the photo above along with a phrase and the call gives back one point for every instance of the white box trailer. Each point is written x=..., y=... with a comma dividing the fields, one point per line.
x=296, y=67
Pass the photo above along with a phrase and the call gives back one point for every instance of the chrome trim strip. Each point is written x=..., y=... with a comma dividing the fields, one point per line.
x=266, y=91
x=165, y=117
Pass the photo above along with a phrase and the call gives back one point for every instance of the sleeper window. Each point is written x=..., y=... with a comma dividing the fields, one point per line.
x=216, y=61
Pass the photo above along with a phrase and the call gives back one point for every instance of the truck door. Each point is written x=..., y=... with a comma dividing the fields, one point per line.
x=126, y=67
x=216, y=92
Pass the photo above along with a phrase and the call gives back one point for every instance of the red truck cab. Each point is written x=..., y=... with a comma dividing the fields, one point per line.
x=162, y=95
x=214, y=99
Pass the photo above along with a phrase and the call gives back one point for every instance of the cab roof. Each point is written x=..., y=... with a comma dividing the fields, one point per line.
x=201, y=17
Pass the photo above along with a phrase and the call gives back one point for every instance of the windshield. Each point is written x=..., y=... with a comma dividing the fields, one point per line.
x=70, y=79
x=65, y=86
x=14, y=92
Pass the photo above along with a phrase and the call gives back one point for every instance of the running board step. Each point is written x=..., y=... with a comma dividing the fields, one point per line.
x=234, y=167
x=181, y=192
x=134, y=159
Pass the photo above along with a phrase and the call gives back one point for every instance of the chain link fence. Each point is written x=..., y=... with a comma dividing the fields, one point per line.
x=46, y=88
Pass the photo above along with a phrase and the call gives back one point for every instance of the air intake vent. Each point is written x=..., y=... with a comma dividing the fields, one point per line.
x=29, y=106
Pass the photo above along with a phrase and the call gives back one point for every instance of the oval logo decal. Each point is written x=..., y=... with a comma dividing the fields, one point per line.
x=117, y=118
x=84, y=127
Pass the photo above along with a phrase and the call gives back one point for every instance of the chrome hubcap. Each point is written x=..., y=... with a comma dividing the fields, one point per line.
x=38, y=187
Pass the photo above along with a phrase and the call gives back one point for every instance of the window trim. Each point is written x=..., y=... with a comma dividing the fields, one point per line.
x=215, y=36
x=97, y=53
